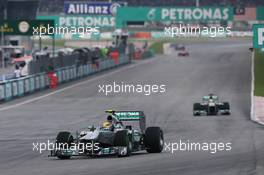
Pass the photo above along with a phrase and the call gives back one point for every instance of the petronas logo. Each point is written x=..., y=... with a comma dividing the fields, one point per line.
x=151, y=14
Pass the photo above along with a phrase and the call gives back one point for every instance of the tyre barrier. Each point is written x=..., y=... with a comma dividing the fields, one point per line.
x=14, y=88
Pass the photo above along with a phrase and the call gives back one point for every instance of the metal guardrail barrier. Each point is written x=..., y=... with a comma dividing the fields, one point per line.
x=14, y=88
x=7, y=77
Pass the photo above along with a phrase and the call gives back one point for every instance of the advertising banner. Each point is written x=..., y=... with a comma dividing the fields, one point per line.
x=249, y=14
x=71, y=23
x=101, y=21
x=258, y=35
x=92, y=8
x=180, y=14
x=23, y=27
x=260, y=13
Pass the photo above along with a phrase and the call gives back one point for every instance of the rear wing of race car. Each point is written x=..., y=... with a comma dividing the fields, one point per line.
x=130, y=116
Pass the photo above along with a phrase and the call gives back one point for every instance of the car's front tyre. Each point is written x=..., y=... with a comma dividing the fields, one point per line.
x=124, y=142
x=196, y=107
x=154, y=140
x=64, y=141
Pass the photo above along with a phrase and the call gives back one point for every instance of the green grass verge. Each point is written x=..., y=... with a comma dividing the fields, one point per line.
x=58, y=43
x=157, y=47
x=259, y=73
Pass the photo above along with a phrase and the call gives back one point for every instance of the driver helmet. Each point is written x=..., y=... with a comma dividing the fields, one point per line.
x=106, y=124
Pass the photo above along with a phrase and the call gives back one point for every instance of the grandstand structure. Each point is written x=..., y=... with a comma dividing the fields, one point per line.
x=18, y=9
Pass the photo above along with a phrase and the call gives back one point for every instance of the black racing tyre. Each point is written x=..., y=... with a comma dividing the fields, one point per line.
x=197, y=107
x=64, y=139
x=226, y=106
x=122, y=139
x=154, y=140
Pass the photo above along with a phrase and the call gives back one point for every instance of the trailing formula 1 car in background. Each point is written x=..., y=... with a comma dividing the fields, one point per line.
x=112, y=138
x=211, y=106
x=177, y=47
x=183, y=53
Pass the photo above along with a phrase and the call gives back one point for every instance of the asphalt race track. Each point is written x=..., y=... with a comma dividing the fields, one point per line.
x=218, y=67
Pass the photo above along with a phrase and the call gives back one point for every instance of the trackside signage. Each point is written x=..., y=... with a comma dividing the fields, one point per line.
x=195, y=14
x=174, y=14
x=258, y=35
x=260, y=13
x=92, y=8
x=23, y=27
x=82, y=20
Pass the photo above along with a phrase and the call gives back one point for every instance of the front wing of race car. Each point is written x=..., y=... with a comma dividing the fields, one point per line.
x=183, y=54
x=93, y=152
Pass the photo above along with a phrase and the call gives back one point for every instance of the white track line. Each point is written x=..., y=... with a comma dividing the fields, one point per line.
x=75, y=85
x=252, y=112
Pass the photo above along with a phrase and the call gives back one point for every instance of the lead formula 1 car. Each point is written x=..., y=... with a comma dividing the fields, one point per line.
x=112, y=138
x=211, y=106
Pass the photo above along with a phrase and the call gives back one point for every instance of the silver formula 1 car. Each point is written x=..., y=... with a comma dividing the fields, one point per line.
x=211, y=106
x=113, y=138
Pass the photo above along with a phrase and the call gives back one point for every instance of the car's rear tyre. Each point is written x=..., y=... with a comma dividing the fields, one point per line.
x=122, y=139
x=154, y=140
x=64, y=139
x=226, y=106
